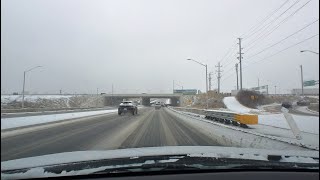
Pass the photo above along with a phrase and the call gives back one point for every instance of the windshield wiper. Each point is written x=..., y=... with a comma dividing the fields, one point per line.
x=188, y=163
x=171, y=163
x=149, y=168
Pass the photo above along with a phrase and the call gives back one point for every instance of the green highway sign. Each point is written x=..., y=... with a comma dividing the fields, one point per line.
x=310, y=83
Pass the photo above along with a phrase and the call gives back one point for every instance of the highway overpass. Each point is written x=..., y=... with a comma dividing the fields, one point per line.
x=115, y=99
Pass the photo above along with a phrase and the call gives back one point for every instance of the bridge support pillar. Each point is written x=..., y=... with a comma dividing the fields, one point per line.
x=146, y=101
x=175, y=101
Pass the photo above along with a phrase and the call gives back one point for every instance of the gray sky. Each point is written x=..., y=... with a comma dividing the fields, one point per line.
x=142, y=45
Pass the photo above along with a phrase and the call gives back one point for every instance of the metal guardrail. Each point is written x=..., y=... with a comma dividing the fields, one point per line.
x=227, y=117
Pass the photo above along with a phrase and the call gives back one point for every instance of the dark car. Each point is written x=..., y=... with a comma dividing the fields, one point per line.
x=127, y=106
x=303, y=103
x=157, y=106
x=287, y=104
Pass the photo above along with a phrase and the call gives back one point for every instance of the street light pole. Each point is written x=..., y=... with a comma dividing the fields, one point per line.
x=206, y=66
x=24, y=82
x=301, y=80
x=173, y=87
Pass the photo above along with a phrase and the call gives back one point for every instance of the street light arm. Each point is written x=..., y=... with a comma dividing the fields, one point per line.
x=32, y=68
x=197, y=62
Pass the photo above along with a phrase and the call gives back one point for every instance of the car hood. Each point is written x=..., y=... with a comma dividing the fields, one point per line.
x=191, y=151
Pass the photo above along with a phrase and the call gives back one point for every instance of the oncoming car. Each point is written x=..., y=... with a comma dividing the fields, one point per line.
x=157, y=106
x=127, y=106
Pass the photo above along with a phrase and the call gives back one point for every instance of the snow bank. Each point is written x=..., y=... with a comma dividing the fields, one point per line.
x=31, y=98
x=308, y=124
x=231, y=134
x=7, y=123
x=306, y=110
x=233, y=104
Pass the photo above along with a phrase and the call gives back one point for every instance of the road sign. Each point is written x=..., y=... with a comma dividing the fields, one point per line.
x=186, y=91
x=310, y=83
x=259, y=88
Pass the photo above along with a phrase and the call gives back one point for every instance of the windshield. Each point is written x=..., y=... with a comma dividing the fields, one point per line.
x=230, y=79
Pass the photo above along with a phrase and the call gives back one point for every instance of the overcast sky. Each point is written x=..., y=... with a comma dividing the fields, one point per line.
x=142, y=45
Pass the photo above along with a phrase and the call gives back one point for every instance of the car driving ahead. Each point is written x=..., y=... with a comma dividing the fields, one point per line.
x=127, y=106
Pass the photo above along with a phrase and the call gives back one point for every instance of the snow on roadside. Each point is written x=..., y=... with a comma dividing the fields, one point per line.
x=305, y=109
x=272, y=133
x=7, y=123
x=308, y=124
x=31, y=98
x=233, y=104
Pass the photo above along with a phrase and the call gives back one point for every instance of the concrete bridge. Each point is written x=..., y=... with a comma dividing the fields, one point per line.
x=115, y=99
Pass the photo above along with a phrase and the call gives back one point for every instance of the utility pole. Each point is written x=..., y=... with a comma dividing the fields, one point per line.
x=97, y=101
x=275, y=90
x=207, y=83
x=240, y=59
x=173, y=87
x=219, y=76
x=258, y=83
x=210, y=79
x=301, y=80
x=112, y=95
x=237, y=76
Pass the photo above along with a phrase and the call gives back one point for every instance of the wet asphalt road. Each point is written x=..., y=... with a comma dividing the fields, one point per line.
x=149, y=128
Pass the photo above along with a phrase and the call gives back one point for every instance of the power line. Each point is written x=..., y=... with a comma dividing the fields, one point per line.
x=253, y=28
x=278, y=52
x=263, y=21
x=254, y=62
x=278, y=25
x=230, y=70
x=230, y=49
x=231, y=67
x=266, y=26
x=228, y=77
x=230, y=62
x=283, y=39
x=230, y=55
